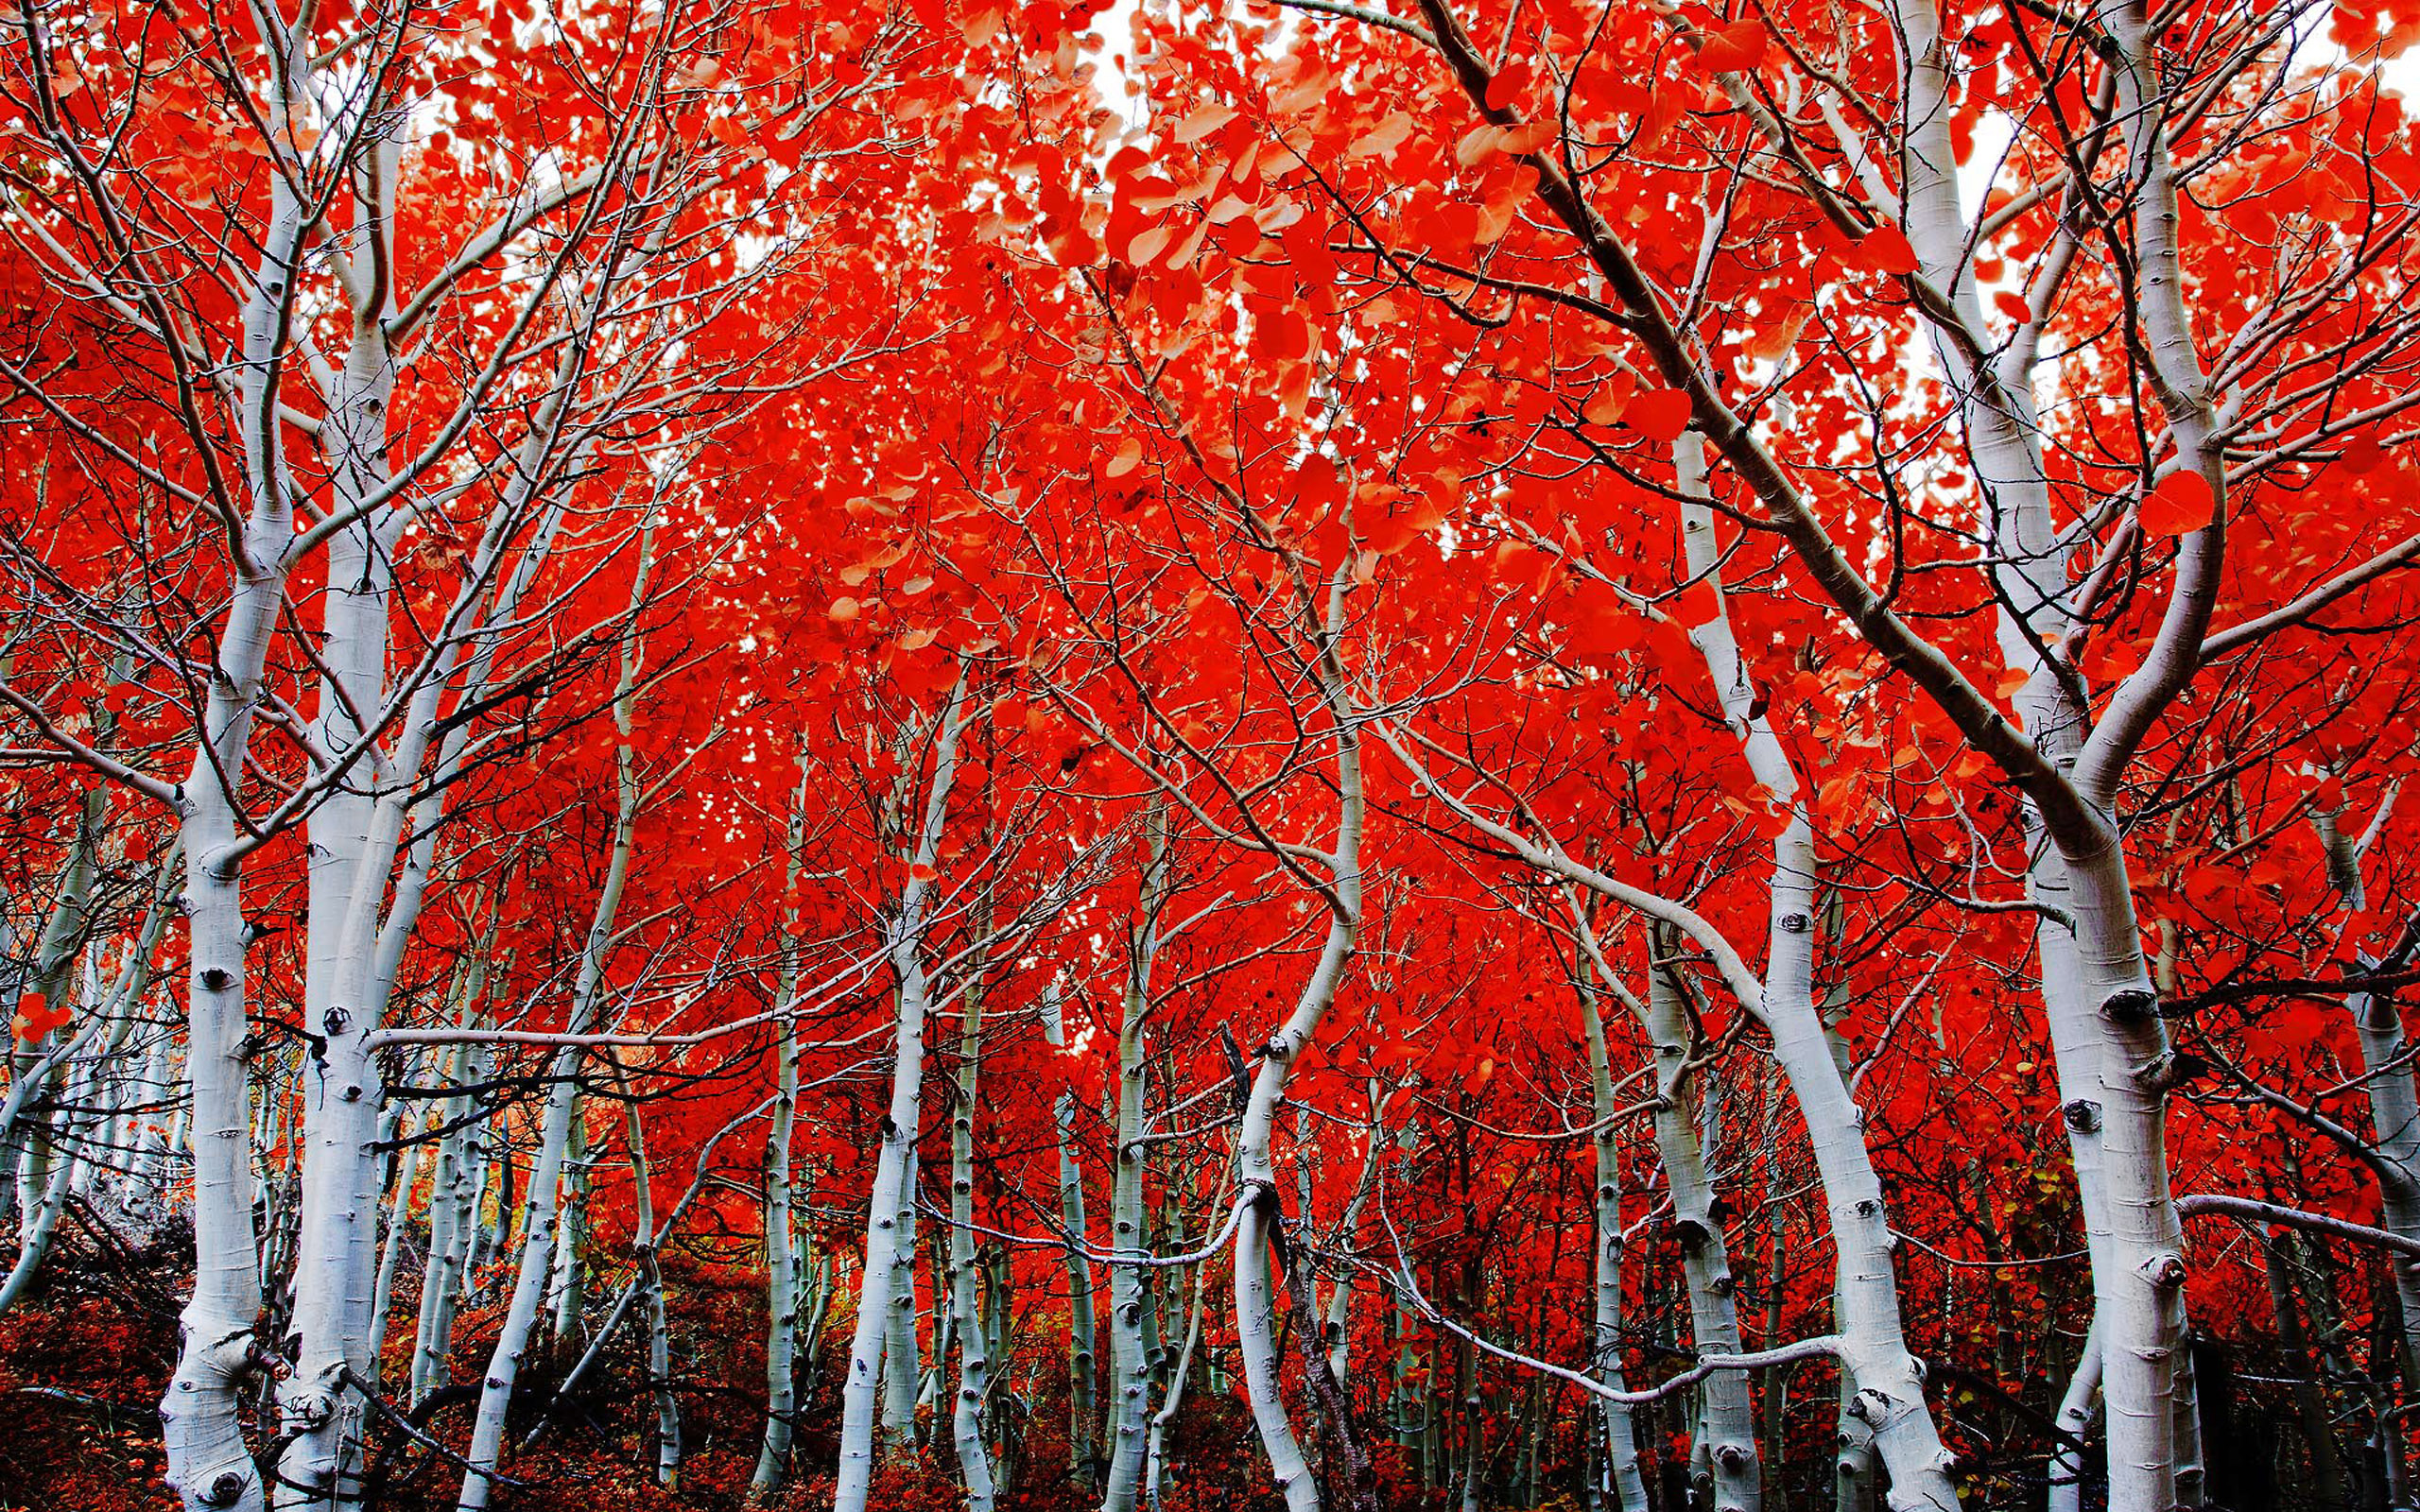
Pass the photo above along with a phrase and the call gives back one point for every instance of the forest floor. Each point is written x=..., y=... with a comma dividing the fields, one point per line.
x=86, y=1357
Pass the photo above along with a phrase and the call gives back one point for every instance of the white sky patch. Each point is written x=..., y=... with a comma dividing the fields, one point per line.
x=1114, y=27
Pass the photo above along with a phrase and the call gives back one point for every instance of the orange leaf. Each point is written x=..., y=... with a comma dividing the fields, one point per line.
x=1478, y=143
x=1204, y=121
x=1382, y=139
x=1129, y=457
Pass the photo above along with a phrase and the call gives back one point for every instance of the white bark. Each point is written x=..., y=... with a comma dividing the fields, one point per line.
x=1726, y=1423
x=781, y=1281
x=781, y=1217
x=1256, y=1301
x=1082, y=1369
x=647, y=1243
x=566, y=1281
x=1890, y=1383
x=903, y=1343
x=452, y=1216
x=885, y=1241
x=25, y=1142
x=401, y=1176
x=1131, y=1285
x=967, y=1321
x=1620, y=1487
x=539, y=1226
x=208, y=1462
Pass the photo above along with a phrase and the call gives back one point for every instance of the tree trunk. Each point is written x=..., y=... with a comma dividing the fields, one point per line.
x=539, y=1227
x=1619, y=1488
x=1081, y=1366
x=1130, y=1284
x=885, y=1242
x=967, y=1321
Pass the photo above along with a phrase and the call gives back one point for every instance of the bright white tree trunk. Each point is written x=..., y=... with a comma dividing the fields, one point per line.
x=1890, y=1396
x=542, y=1201
x=1726, y=1421
x=966, y=1312
x=1082, y=1368
x=1617, y=1442
x=780, y=1277
x=781, y=1217
x=649, y=1286
x=452, y=1215
x=1256, y=1303
x=885, y=1240
x=1131, y=1284
x=902, y=1345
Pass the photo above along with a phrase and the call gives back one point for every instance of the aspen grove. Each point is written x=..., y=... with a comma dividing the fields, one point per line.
x=1310, y=754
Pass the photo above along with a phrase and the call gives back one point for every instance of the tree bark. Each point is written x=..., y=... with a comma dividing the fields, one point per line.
x=885, y=1241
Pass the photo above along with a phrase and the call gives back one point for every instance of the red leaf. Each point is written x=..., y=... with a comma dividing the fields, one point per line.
x=1733, y=49
x=2180, y=504
x=1885, y=249
x=1662, y=414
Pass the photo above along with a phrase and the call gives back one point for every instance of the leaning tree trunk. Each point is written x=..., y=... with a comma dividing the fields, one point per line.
x=1889, y=1398
x=885, y=1242
x=1256, y=1306
x=541, y=1224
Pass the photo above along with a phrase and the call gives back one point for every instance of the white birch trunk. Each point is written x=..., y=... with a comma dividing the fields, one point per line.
x=967, y=1321
x=781, y=1278
x=452, y=1215
x=1890, y=1396
x=538, y=1233
x=781, y=1217
x=902, y=1345
x=1256, y=1303
x=566, y=1282
x=208, y=1462
x=1081, y=1368
x=406, y=1165
x=2075, y=1421
x=1130, y=1284
x=1726, y=1421
x=650, y=1285
x=1620, y=1487
x=883, y=1241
